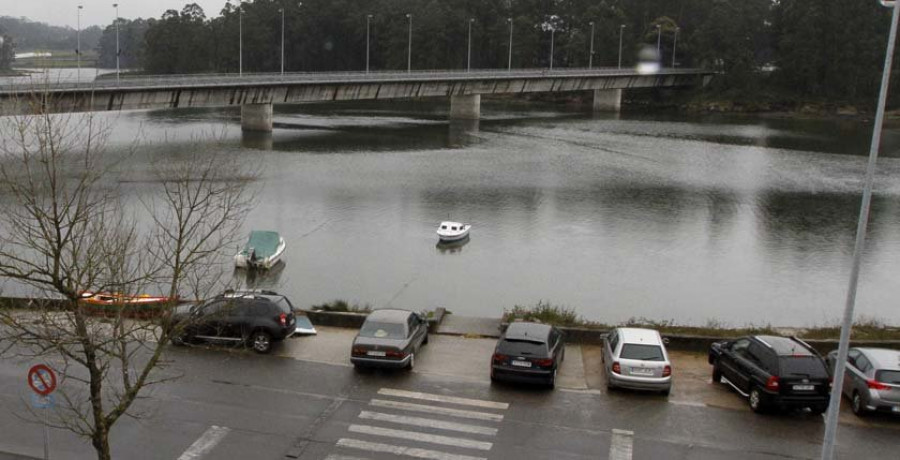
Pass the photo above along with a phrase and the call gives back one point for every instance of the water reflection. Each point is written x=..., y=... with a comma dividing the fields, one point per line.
x=260, y=279
x=462, y=133
x=256, y=140
x=452, y=247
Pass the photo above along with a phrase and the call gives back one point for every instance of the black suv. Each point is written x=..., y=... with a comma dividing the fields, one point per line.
x=773, y=372
x=255, y=318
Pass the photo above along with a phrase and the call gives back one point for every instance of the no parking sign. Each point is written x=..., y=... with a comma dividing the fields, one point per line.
x=41, y=379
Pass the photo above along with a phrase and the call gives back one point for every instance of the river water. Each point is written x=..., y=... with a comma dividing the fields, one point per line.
x=727, y=220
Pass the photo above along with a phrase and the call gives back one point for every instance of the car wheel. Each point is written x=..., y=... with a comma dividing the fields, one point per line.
x=552, y=383
x=716, y=374
x=261, y=342
x=412, y=361
x=666, y=392
x=425, y=341
x=756, y=401
x=856, y=404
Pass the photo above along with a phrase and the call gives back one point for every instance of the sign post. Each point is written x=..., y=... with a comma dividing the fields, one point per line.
x=42, y=380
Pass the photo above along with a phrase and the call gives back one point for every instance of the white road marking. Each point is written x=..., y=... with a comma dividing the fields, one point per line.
x=621, y=446
x=443, y=398
x=205, y=443
x=400, y=450
x=437, y=410
x=343, y=457
x=421, y=437
x=428, y=423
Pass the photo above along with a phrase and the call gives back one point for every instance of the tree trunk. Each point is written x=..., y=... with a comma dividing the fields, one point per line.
x=100, y=440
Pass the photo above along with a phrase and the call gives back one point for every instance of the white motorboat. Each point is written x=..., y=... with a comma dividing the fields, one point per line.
x=263, y=250
x=453, y=231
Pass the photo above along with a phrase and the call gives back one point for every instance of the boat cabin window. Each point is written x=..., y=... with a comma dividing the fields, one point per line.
x=443, y=227
x=452, y=228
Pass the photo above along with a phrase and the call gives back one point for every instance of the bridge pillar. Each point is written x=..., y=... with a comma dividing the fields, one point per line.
x=256, y=117
x=607, y=100
x=465, y=107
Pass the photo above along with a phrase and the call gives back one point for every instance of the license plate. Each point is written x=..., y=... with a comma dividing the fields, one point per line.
x=518, y=363
x=641, y=371
x=377, y=353
x=804, y=387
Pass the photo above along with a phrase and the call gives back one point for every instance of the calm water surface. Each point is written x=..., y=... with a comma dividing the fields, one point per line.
x=734, y=220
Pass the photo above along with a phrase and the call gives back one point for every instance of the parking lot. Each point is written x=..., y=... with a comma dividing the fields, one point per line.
x=306, y=401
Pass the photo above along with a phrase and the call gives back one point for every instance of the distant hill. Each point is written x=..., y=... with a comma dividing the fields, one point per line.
x=37, y=36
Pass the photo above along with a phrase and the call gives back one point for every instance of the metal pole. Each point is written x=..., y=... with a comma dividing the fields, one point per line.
x=834, y=405
x=241, y=39
x=368, y=19
x=78, y=42
x=552, y=33
x=116, y=6
x=658, y=41
x=509, y=62
x=591, y=57
x=46, y=433
x=674, y=44
x=469, y=52
x=621, y=31
x=409, y=45
x=282, y=41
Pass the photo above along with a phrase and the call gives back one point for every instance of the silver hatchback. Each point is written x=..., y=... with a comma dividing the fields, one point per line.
x=871, y=379
x=637, y=359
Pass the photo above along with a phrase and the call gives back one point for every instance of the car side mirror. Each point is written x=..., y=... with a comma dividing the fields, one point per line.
x=665, y=340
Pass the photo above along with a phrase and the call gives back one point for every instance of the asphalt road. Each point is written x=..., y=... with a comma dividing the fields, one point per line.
x=237, y=405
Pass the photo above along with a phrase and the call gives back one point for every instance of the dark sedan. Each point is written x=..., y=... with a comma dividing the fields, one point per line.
x=528, y=352
x=389, y=338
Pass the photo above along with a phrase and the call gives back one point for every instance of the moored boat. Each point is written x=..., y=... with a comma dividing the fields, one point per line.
x=263, y=250
x=453, y=231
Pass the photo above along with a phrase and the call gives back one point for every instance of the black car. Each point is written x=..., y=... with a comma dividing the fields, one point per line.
x=772, y=372
x=528, y=352
x=255, y=318
x=389, y=338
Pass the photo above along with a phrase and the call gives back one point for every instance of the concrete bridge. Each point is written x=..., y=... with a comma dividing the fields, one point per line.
x=256, y=93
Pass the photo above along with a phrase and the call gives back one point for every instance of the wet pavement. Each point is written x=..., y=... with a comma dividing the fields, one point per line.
x=233, y=404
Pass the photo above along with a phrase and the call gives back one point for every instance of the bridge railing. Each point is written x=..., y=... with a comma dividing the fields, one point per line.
x=110, y=82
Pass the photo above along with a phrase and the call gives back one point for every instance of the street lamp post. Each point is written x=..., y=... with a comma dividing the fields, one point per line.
x=469, y=51
x=621, y=31
x=509, y=61
x=658, y=41
x=834, y=406
x=674, y=44
x=281, y=10
x=409, y=45
x=591, y=57
x=552, y=33
x=78, y=41
x=241, y=38
x=368, y=23
x=116, y=6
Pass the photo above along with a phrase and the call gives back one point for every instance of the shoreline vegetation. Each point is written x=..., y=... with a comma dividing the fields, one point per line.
x=544, y=312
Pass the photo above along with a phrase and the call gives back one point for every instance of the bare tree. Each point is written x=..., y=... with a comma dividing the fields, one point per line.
x=65, y=229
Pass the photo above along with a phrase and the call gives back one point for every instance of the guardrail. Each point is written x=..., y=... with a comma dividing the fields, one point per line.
x=152, y=82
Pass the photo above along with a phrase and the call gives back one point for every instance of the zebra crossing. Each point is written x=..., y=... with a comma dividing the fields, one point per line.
x=411, y=424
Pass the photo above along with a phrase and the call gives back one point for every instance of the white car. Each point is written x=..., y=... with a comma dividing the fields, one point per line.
x=637, y=359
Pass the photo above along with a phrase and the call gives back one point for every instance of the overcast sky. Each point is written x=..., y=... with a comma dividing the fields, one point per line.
x=98, y=12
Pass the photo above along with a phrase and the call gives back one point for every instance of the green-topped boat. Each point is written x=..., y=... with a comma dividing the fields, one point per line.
x=263, y=250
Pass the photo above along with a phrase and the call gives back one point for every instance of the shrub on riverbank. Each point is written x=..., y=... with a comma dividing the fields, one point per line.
x=547, y=313
x=343, y=306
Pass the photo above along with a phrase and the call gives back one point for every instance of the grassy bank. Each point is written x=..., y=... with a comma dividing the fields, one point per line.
x=342, y=306
x=547, y=313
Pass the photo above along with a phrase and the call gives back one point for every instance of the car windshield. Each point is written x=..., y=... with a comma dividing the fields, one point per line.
x=378, y=330
x=891, y=377
x=804, y=366
x=642, y=352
